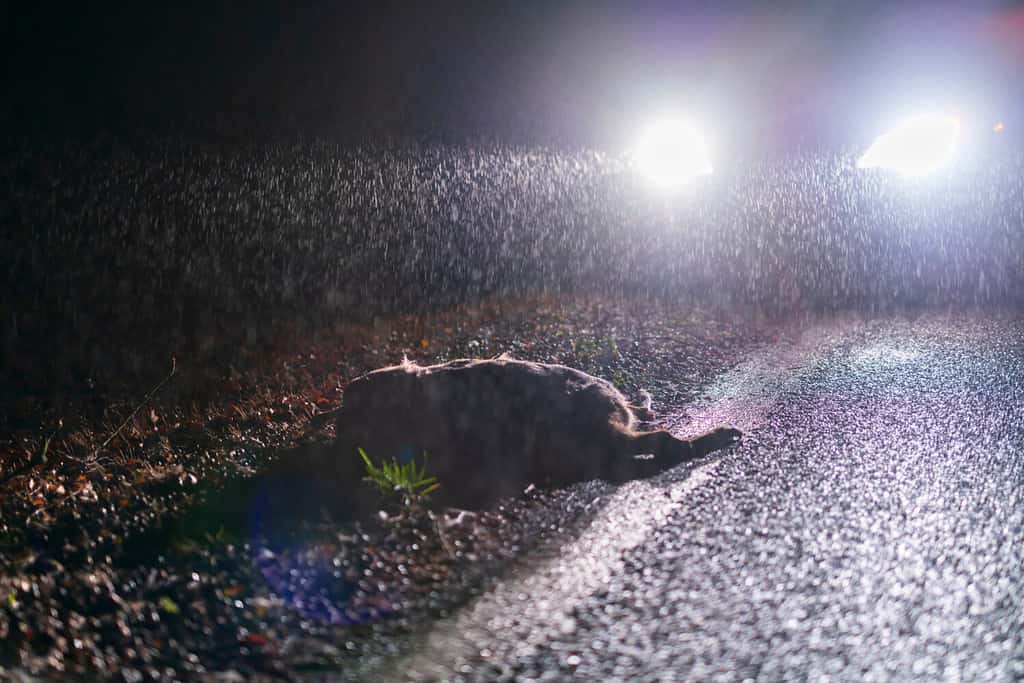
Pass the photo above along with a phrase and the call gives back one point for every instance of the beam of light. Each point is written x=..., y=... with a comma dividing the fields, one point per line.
x=671, y=152
x=999, y=127
x=917, y=146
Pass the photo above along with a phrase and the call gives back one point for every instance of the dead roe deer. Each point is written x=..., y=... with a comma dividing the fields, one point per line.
x=492, y=427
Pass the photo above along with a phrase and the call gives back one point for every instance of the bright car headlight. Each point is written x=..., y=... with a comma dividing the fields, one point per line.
x=671, y=152
x=917, y=146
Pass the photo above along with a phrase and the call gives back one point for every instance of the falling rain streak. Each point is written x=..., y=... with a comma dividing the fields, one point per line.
x=188, y=232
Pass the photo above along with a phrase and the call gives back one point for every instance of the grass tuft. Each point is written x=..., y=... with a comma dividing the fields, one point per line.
x=408, y=480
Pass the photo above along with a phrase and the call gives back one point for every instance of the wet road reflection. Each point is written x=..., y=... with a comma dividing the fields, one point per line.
x=871, y=525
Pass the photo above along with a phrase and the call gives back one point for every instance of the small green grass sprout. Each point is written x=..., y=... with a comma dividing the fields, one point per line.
x=408, y=480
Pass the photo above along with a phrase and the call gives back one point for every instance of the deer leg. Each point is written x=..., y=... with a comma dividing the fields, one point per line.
x=646, y=454
x=715, y=440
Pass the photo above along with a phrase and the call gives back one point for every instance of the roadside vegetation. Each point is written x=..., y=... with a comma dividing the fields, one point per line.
x=407, y=480
x=91, y=553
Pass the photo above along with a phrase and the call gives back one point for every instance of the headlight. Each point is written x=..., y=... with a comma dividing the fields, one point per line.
x=917, y=146
x=671, y=152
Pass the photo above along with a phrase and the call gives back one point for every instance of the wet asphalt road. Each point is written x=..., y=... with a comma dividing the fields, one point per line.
x=869, y=527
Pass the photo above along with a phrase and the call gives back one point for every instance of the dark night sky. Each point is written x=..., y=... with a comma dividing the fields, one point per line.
x=526, y=70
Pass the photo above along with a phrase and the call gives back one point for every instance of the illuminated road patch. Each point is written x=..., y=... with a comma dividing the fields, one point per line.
x=870, y=525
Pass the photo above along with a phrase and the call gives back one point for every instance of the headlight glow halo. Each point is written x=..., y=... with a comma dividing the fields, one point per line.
x=671, y=152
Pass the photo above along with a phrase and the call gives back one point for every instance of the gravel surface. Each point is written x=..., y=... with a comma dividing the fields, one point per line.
x=869, y=527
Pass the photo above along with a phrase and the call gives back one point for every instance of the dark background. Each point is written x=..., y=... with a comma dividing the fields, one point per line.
x=771, y=74
x=186, y=179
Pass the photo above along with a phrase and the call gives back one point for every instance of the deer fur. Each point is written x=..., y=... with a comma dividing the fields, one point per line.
x=492, y=427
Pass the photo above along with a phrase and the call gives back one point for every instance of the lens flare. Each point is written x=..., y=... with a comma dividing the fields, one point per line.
x=917, y=146
x=671, y=153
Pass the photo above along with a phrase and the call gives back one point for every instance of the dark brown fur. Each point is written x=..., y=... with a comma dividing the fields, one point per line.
x=492, y=427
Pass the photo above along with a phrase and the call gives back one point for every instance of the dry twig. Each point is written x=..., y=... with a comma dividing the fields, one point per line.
x=150, y=395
